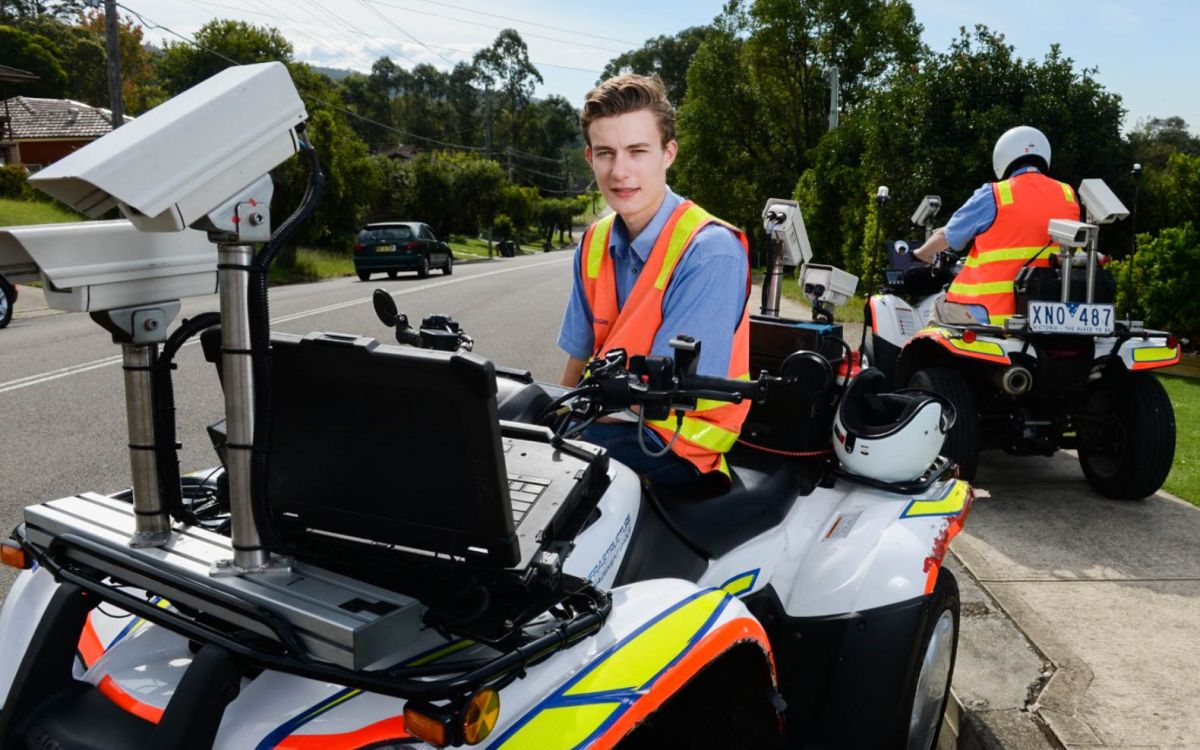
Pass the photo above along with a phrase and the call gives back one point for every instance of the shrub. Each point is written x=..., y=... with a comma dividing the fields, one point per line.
x=13, y=182
x=1161, y=287
x=502, y=227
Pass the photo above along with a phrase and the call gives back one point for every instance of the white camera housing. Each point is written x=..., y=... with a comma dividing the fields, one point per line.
x=104, y=265
x=1069, y=233
x=929, y=208
x=173, y=165
x=790, y=232
x=827, y=283
x=1103, y=206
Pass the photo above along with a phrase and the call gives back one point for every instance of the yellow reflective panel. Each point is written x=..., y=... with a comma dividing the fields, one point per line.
x=687, y=224
x=564, y=727
x=1153, y=354
x=598, y=246
x=978, y=347
x=953, y=502
x=1004, y=187
x=634, y=663
x=739, y=584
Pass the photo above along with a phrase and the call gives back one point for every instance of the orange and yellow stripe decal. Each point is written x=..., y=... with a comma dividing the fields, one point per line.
x=1153, y=357
x=111, y=690
x=988, y=351
x=598, y=706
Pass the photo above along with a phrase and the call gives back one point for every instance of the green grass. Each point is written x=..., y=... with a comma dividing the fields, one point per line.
x=15, y=213
x=1184, y=479
x=313, y=265
x=477, y=247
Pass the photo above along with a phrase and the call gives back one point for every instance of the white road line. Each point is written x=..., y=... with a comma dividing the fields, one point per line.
x=45, y=377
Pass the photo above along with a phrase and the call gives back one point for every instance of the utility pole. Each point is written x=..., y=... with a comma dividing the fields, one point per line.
x=834, y=96
x=112, y=30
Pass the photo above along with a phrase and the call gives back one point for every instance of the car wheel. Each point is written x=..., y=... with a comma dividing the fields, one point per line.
x=364, y=275
x=8, y=297
x=448, y=268
x=931, y=684
x=423, y=269
x=1127, y=436
x=393, y=274
x=962, y=442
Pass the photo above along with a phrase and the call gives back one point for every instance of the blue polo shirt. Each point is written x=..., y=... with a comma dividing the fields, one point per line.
x=705, y=298
x=976, y=215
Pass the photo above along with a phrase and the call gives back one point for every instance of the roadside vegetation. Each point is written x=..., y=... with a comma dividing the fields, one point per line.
x=1184, y=479
x=17, y=212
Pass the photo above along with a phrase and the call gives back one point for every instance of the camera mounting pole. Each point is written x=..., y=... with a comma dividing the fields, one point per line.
x=139, y=330
x=234, y=227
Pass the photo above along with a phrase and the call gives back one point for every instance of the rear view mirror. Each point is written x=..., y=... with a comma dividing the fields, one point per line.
x=385, y=307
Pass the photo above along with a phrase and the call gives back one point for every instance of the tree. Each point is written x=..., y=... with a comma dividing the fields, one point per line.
x=140, y=89
x=505, y=68
x=34, y=53
x=183, y=65
x=757, y=100
x=668, y=57
x=1167, y=153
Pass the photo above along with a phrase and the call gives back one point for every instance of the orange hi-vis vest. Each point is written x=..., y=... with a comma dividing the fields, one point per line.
x=709, y=431
x=1025, y=204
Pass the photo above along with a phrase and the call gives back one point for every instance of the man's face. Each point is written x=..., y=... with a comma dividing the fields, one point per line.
x=630, y=162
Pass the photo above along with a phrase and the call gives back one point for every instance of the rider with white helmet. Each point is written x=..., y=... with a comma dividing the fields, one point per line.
x=1007, y=222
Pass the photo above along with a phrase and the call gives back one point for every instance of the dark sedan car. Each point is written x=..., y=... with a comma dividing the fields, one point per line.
x=396, y=246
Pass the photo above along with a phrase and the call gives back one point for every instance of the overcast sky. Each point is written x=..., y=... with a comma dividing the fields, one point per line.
x=1146, y=51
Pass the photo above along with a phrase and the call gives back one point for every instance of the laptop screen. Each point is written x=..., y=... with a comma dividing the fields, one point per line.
x=389, y=444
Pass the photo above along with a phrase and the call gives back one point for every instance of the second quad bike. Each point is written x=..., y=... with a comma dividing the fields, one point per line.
x=1062, y=373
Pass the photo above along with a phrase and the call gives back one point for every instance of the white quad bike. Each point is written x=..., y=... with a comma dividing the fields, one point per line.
x=1061, y=373
x=401, y=553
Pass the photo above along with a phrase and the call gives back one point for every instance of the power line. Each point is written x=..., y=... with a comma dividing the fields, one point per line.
x=529, y=23
x=403, y=31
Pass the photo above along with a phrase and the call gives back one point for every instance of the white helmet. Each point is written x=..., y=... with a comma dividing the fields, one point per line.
x=889, y=437
x=1021, y=143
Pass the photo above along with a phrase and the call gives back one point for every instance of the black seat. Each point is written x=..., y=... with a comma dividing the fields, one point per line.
x=763, y=491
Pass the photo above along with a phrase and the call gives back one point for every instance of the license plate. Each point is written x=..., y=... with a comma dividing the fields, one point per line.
x=1070, y=317
x=385, y=248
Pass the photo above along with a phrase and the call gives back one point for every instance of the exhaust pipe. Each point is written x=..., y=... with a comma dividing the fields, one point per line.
x=1015, y=381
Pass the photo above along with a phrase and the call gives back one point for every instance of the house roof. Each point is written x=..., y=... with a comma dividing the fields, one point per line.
x=55, y=118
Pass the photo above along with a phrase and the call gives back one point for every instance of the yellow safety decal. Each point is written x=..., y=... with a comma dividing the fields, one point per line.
x=948, y=505
x=997, y=256
x=564, y=727
x=598, y=245
x=1154, y=354
x=740, y=584
x=986, y=287
x=1004, y=188
x=977, y=346
x=635, y=663
x=1068, y=193
x=692, y=218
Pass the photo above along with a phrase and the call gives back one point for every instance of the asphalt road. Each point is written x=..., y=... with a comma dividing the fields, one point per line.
x=62, y=413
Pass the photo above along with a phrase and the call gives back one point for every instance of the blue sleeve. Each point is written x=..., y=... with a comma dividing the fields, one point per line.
x=576, y=337
x=706, y=299
x=972, y=219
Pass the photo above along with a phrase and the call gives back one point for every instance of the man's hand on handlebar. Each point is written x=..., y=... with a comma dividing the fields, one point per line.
x=936, y=243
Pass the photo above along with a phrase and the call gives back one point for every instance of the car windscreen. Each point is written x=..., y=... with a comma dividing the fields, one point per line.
x=385, y=234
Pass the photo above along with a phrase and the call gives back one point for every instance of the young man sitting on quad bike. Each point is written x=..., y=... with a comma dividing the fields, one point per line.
x=1008, y=222
x=656, y=267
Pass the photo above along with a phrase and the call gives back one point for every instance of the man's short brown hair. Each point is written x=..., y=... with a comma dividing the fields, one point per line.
x=629, y=93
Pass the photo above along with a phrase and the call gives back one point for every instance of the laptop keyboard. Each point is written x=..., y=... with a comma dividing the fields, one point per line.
x=523, y=490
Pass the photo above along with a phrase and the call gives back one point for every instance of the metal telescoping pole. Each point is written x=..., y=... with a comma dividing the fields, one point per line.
x=1091, y=270
x=233, y=262
x=772, y=284
x=153, y=527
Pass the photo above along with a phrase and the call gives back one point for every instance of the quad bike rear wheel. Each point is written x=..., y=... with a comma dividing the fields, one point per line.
x=962, y=442
x=931, y=686
x=1127, y=436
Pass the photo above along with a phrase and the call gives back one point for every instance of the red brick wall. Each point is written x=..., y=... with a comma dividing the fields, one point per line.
x=47, y=152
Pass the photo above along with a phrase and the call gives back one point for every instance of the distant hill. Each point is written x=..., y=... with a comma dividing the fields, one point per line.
x=336, y=74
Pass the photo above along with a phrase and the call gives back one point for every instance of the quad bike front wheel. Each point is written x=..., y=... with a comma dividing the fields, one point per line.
x=931, y=686
x=962, y=442
x=1126, y=436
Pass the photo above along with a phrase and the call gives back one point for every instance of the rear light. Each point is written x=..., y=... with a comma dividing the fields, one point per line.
x=13, y=555
x=412, y=246
x=1172, y=341
x=968, y=336
x=427, y=722
x=359, y=247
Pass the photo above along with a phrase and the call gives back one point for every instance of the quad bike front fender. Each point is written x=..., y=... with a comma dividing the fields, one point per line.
x=1149, y=353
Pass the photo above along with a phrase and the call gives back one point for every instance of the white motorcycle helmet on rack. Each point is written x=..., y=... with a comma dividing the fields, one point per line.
x=1020, y=146
x=889, y=437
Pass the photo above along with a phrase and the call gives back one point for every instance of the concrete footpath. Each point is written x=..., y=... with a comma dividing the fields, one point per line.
x=1080, y=615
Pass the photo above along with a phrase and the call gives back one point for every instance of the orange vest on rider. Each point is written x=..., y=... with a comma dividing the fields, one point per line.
x=707, y=433
x=1025, y=204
